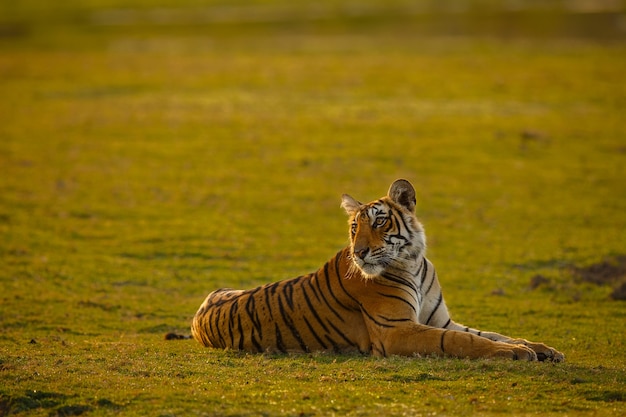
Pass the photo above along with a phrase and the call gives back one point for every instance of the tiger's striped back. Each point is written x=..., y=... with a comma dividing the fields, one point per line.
x=312, y=312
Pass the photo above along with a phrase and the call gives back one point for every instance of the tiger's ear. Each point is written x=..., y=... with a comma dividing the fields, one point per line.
x=349, y=204
x=403, y=193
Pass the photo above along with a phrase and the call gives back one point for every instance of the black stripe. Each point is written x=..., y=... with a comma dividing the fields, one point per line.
x=314, y=333
x=253, y=314
x=205, y=337
x=406, y=226
x=289, y=286
x=399, y=298
x=267, y=297
x=330, y=290
x=273, y=287
x=336, y=347
x=207, y=322
x=317, y=282
x=231, y=322
x=424, y=272
x=432, y=313
x=369, y=316
x=240, y=330
x=256, y=343
x=348, y=341
x=441, y=344
x=221, y=320
x=432, y=281
x=223, y=300
x=409, y=293
x=401, y=281
x=340, y=281
x=383, y=350
x=280, y=345
x=289, y=323
x=397, y=320
x=447, y=323
x=313, y=310
x=308, y=281
x=288, y=292
x=214, y=326
x=399, y=235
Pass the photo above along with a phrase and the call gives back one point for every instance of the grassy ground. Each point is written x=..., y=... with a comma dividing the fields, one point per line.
x=144, y=165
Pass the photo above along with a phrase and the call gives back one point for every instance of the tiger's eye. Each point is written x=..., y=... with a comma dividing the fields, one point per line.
x=380, y=221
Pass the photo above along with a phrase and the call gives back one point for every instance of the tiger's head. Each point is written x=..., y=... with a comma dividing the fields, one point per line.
x=384, y=233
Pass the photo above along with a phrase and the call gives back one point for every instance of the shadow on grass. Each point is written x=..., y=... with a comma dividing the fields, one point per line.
x=37, y=400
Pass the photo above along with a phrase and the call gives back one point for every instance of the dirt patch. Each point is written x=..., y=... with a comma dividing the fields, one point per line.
x=607, y=272
x=72, y=410
x=610, y=272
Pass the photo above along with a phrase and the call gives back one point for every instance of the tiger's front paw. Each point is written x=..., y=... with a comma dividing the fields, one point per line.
x=515, y=352
x=546, y=353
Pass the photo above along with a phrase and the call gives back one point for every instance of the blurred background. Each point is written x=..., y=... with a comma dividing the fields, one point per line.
x=594, y=19
x=173, y=111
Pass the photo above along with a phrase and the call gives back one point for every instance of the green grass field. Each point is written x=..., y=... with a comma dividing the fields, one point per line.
x=147, y=158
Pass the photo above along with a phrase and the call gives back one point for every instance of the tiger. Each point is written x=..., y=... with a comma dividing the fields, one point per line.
x=378, y=296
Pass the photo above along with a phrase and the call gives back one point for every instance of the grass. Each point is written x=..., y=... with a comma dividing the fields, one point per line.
x=145, y=165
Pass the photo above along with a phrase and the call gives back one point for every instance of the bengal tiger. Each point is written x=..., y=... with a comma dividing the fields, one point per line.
x=380, y=295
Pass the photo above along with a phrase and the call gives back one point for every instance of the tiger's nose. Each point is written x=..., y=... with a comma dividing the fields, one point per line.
x=361, y=252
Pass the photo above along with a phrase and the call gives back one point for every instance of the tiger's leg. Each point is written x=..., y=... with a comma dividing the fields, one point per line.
x=440, y=318
x=433, y=312
x=543, y=351
x=417, y=339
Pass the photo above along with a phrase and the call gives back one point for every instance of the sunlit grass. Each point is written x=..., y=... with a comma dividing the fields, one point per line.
x=143, y=168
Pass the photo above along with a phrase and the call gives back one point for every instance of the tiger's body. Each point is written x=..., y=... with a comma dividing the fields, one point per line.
x=379, y=295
